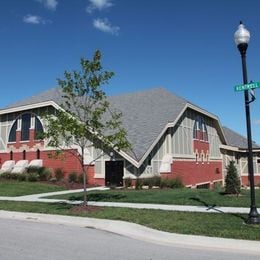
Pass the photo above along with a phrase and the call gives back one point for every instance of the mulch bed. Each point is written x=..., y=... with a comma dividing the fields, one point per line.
x=87, y=208
x=65, y=184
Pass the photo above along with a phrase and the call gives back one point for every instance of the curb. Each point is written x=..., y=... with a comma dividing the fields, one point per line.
x=139, y=232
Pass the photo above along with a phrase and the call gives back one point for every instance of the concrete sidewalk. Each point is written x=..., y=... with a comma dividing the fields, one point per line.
x=141, y=233
x=41, y=198
x=134, y=230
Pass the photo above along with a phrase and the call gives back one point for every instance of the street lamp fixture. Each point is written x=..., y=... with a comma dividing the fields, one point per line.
x=242, y=38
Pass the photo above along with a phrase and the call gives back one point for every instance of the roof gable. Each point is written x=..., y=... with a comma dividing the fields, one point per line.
x=146, y=115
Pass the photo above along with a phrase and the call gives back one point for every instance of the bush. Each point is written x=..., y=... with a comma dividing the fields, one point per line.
x=22, y=177
x=33, y=169
x=73, y=177
x=152, y=181
x=6, y=176
x=175, y=183
x=32, y=176
x=9, y=176
x=128, y=182
x=44, y=174
x=164, y=183
x=59, y=174
x=232, y=181
x=139, y=184
x=81, y=179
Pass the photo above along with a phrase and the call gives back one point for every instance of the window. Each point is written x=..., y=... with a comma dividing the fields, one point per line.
x=24, y=155
x=38, y=154
x=12, y=135
x=38, y=129
x=25, y=128
x=11, y=155
x=26, y=124
x=149, y=160
x=200, y=130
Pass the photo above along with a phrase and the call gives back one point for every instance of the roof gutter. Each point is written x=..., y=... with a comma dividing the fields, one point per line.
x=29, y=107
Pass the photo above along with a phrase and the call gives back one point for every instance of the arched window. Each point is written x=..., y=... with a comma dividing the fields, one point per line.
x=200, y=130
x=25, y=128
x=38, y=129
x=38, y=154
x=24, y=155
x=11, y=155
x=12, y=135
x=26, y=125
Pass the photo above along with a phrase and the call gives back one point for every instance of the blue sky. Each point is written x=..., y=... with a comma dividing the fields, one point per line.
x=184, y=46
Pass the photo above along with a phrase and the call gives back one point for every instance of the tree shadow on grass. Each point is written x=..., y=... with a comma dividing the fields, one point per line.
x=99, y=197
x=213, y=207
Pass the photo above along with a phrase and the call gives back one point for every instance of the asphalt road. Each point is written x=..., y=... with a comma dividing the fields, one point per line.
x=30, y=240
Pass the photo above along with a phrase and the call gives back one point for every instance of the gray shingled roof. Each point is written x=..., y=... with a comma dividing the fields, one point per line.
x=53, y=94
x=236, y=140
x=145, y=114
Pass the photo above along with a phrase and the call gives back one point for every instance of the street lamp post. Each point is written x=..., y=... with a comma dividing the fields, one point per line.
x=242, y=37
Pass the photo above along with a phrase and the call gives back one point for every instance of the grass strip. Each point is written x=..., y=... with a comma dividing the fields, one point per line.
x=16, y=188
x=207, y=224
x=194, y=197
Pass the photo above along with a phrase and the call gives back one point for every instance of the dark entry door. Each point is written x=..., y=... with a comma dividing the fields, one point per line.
x=114, y=173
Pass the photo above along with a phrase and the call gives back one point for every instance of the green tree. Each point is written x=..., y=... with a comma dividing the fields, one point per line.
x=86, y=119
x=232, y=181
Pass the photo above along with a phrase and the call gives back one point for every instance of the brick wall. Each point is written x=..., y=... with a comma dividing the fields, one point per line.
x=66, y=161
x=193, y=173
x=245, y=180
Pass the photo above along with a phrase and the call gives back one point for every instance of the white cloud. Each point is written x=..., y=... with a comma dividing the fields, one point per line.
x=35, y=19
x=98, y=5
x=49, y=4
x=105, y=26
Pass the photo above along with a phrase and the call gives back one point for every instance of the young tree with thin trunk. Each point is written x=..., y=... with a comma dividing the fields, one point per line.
x=86, y=118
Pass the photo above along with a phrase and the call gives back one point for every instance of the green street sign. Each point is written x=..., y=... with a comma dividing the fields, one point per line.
x=247, y=86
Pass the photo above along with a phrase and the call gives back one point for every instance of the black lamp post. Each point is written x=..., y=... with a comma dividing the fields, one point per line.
x=242, y=37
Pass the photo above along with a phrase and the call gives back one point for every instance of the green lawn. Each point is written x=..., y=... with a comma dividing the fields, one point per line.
x=169, y=196
x=208, y=224
x=16, y=188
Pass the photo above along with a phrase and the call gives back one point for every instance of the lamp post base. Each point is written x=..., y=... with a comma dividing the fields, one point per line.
x=253, y=217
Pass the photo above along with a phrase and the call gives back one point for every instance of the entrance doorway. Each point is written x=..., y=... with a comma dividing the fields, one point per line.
x=114, y=173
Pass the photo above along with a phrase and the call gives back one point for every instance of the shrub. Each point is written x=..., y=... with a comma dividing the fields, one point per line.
x=139, y=184
x=59, y=174
x=6, y=175
x=175, y=183
x=44, y=174
x=217, y=186
x=32, y=176
x=9, y=176
x=128, y=182
x=232, y=181
x=81, y=179
x=22, y=177
x=150, y=182
x=33, y=169
x=73, y=177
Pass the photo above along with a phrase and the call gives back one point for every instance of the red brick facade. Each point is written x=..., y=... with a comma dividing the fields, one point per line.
x=34, y=149
x=245, y=180
x=200, y=170
x=193, y=173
